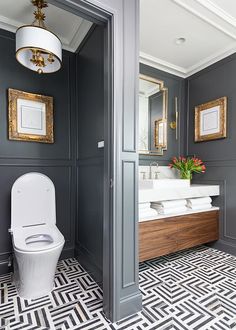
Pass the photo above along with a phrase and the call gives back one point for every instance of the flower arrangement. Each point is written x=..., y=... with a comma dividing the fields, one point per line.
x=187, y=166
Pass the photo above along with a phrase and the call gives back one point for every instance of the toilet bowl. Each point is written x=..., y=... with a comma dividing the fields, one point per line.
x=37, y=242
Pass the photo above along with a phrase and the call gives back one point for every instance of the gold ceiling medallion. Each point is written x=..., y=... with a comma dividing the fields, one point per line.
x=36, y=47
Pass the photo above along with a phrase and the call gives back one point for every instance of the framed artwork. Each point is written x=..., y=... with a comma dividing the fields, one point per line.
x=211, y=120
x=160, y=134
x=30, y=116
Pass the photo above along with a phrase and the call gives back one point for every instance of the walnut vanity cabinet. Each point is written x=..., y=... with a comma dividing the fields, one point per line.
x=163, y=236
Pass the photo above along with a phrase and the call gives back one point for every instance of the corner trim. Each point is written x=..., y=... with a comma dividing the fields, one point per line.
x=125, y=305
x=224, y=246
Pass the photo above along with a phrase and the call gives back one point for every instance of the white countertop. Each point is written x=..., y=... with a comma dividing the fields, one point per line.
x=195, y=190
x=161, y=216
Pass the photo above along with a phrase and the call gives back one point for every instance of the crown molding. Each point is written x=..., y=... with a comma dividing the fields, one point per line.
x=79, y=35
x=218, y=11
x=70, y=45
x=211, y=60
x=186, y=72
x=211, y=14
x=162, y=65
x=9, y=24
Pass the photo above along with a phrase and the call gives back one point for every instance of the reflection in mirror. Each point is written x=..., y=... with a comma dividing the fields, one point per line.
x=152, y=116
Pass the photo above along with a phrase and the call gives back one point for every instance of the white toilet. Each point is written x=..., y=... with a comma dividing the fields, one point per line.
x=37, y=242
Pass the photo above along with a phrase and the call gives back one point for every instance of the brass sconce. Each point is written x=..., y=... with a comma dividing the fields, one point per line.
x=174, y=124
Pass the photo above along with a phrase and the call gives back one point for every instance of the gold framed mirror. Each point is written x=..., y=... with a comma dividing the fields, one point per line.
x=153, y=109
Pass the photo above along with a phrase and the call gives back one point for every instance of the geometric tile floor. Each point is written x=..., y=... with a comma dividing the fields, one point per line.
x=190, y=290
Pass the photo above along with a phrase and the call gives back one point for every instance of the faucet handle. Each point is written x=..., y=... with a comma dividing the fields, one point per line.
x=156, y=175
x=144, y=175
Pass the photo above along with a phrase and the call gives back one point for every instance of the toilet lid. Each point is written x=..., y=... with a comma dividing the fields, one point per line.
x=37, y=238
x=33, y=200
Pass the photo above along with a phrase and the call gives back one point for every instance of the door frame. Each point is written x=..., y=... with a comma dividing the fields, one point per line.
x=121, y=295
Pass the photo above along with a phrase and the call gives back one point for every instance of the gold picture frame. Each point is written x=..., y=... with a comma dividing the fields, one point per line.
x=30, y=116
x=160, y=138
x=211, y=120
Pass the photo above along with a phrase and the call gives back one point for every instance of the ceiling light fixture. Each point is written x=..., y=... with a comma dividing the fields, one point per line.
x=37, y=48
x=180, y=41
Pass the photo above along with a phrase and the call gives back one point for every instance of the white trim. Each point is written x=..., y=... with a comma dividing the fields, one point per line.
x=70, y=45
x=162, y=65
x=79, y=35
x=205, y=13
x=9, y=24
x=186, y=72
x=211, y=60
x=211, y=14
x=218, y=11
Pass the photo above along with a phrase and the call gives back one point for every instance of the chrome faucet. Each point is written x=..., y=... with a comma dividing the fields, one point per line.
x=150, y=170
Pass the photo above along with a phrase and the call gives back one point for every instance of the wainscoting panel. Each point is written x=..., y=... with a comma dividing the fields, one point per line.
x=128, y=225
x=219, y=155
x=89, y=224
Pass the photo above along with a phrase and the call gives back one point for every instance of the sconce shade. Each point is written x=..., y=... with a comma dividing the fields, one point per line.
x=31, y=38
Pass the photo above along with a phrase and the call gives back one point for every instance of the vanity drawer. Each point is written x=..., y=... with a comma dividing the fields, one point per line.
x=198, y=228
x=163, y=236
x=156, y=238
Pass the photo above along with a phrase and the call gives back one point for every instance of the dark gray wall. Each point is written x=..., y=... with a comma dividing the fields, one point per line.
x=176, y=87
x=90, y=159
x=219, y=155
x=55, y=160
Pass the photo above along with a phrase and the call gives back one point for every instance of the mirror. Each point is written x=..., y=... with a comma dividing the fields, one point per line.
x=153, y=98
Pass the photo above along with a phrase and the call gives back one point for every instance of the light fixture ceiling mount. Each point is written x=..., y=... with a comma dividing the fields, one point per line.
x=36, y=47
x=180, y=41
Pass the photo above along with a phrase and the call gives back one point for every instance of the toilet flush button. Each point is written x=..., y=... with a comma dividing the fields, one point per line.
x=100, y=144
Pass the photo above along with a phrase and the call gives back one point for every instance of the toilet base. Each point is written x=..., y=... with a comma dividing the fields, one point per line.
x=34, y=272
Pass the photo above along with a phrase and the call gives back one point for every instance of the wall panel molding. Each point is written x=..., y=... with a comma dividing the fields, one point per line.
x=218, y=155
x=128, y=225
x=129, y=105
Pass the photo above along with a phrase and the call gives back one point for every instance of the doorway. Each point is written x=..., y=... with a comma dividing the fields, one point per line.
x=121, y=296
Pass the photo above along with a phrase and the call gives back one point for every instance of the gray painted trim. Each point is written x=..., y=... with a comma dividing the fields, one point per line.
x=129, y=141
x=4, y=268
x=224, y=246
x=128, y=227
x=120, y=41
x=130, y=305
x=87, y=261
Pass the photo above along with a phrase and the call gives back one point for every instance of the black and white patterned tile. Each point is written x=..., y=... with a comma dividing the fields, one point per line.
x=190, y=290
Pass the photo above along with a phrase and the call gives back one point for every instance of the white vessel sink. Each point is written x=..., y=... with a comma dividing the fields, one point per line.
x=163, y=183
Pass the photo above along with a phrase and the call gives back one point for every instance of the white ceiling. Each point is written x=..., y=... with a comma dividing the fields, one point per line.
x=70, y=28
x=209, y=27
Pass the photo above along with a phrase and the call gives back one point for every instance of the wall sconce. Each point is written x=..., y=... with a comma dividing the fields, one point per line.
x=174, y=124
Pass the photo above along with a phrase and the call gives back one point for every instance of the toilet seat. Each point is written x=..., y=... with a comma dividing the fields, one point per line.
x=37, y=238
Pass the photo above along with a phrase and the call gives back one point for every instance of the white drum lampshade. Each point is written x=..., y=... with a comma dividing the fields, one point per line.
x=37, y=48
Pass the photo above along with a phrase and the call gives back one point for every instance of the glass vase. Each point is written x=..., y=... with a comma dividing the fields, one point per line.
x=186, y=175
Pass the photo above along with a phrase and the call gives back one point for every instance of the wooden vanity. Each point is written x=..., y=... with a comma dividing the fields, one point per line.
x=166, y=235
